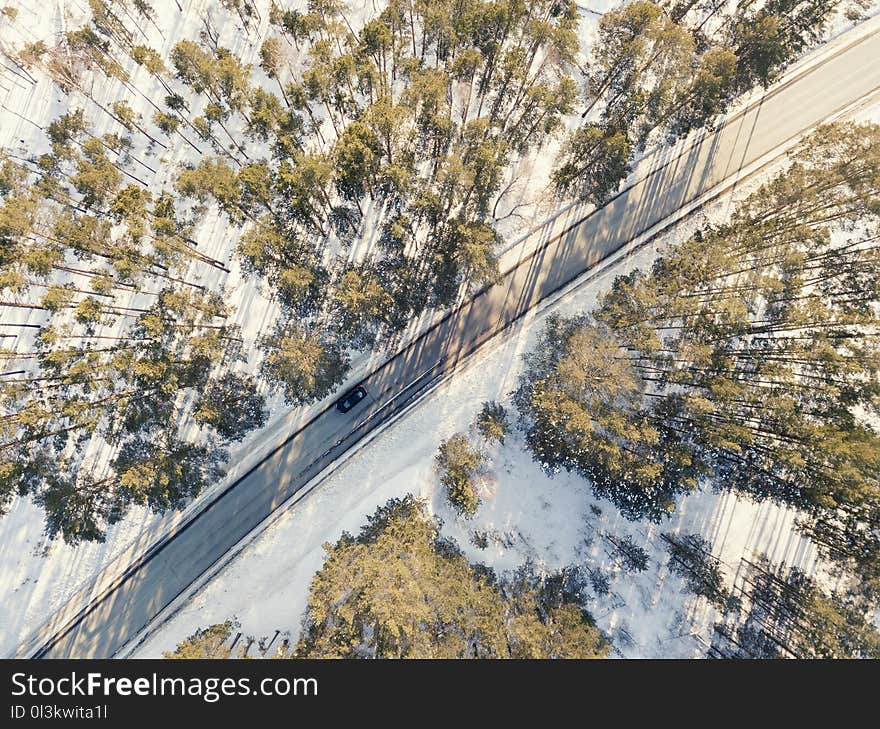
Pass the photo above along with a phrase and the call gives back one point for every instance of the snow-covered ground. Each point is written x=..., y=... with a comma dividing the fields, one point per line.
x=37, y=576
x=525, y=514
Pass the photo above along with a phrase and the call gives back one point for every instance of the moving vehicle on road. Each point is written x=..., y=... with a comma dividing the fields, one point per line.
x=350, y=399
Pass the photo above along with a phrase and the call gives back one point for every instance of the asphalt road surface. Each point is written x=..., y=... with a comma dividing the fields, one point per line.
x=115, y=615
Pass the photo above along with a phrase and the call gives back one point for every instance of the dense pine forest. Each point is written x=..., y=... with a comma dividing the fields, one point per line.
x=659, y=71
x=745, y=359
x=746, y=356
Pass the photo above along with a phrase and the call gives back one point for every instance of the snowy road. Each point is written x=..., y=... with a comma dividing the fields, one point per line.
x=119, y=612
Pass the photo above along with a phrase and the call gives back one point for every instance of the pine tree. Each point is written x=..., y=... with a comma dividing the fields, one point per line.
x=459, y=464
x=583, y=408
x=594, y=161
x=492, y=422
x=232, y=406
x=211, y=642
x=354, y=137
x=631, y=556
x=690, y=557
x=159, y=471
x=362, y=306
x=305, y=364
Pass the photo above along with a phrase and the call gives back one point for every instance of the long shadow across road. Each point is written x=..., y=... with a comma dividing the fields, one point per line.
x=113, y=616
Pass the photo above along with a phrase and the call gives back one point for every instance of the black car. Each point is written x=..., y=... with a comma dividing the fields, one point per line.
x=350, y=399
